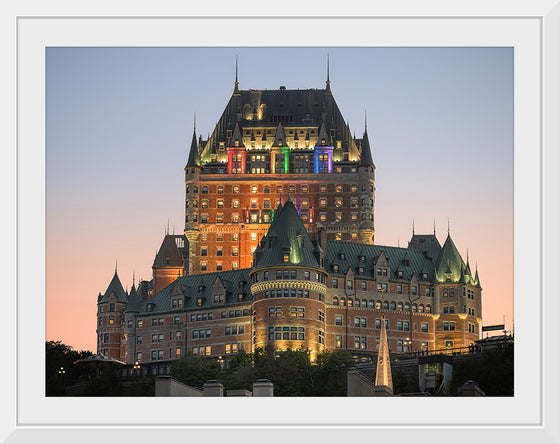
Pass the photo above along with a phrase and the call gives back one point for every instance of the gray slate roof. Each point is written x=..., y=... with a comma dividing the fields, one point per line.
x=197, y=286
x=115, y=287
x=286, y=234
x=347, y=255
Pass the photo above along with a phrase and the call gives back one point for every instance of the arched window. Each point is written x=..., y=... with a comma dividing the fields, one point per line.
x=414, y=307
x=364, y=303
x=342, y=301
x=428, y=308
x=220, y=190
x=204, y=190
x=335, y=301
x=421, y=308
x=378, y=305
x=371, y=303
x=407, y=306
x=350, y=302
x=386, y=305
x=399, y=306
x=393, y=305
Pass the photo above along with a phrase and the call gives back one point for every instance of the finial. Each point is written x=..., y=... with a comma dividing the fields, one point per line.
x=434, y=227
x=167, y=227
x=467, y=255
x=115, y=266
x=448, y=225
x=194, y=125
x=328, y=88
x=133, y=277
x=365, y=120
x=398, y=242
x=413, y=227
x=236, y=89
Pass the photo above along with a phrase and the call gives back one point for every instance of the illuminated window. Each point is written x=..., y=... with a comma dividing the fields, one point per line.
x=253, y=236
x=236, y=190
x=354, y=188
x=338, y=236
x=304, y=188
x=111, y=320
x=235, y=218
x=323, y=202
x=285, y=257
x=323, y=188
x=235, y=251
x=323, y=217
x=338, y=189
x=354, y=217
x=291, y=189
x=253, y=203
x=338, y=218
x=220, y=190
x=278, y=189
x=338, y=202
x=219, y=218
x=235, y=237
x=203, y=266
x=304, y=203
x=254, y=189
x=338, y=341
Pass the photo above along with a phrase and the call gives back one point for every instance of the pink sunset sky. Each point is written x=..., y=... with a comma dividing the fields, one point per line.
x=120, y=121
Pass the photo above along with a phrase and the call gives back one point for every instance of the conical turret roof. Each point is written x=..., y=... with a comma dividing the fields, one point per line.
x=449, y=262
x=116, y=288
x=194, y=158
x=287, y=235
x=365, y=155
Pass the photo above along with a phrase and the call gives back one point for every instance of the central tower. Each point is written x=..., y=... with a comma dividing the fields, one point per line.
x=269, y=145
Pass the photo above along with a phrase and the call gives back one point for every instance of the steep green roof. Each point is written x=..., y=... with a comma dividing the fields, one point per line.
x=449, y=262
x=347, y=255
x=116, y=288
x=286, y=235
x=134, y=301
x=194, y=158
x=365, y=155
x=196, y=286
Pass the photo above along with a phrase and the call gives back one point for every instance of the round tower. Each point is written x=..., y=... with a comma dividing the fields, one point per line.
x=288, y=286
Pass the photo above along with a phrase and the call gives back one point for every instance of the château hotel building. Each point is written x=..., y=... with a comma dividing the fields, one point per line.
x=278, y=250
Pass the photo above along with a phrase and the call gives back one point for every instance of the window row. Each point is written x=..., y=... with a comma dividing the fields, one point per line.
x=286, y=293
x=233, y=347
x=202, y=317
x=234, y=330
x=286, y=333
x=203, y=333
x=385, y=305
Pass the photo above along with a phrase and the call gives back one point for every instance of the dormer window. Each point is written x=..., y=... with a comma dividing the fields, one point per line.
x=286, y=257
x=400, y=274
x=362, y=258
x=335, y=268
x=425, y=276
x=342, y=256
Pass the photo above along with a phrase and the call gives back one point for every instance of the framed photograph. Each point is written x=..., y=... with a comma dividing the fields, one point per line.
x=525, y=38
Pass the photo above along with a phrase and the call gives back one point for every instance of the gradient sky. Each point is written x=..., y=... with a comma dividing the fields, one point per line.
x=120, y=121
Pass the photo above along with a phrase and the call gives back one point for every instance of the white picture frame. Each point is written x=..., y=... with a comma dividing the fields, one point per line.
x=533, y=29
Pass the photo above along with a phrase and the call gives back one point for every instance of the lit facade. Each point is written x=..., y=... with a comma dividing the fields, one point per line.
x=266, y=146
x=278, y=250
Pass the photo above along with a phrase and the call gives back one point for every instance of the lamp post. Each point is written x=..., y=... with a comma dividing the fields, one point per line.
x=407, y=344
x=136, y=368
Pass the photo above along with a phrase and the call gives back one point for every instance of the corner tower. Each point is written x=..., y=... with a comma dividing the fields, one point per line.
x=288, y=284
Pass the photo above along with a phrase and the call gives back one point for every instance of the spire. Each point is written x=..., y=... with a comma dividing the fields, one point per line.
x=194, y=159
x=365, y=156
x=237, y=139
x=383, y=375
x=236, y=89
x=413, y=227
x=328, y=87
x=434, y=227
x=323, y=139
x=448, y=226
x=280, y=138
x=115, y=266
